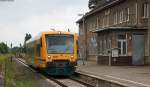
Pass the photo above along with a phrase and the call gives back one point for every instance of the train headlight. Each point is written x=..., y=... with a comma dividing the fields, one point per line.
x=72, y=57
x=49, y=57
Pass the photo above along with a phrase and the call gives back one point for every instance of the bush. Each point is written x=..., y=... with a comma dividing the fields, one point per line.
x=3, y=48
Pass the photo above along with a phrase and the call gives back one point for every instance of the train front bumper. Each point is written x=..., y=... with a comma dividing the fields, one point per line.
x=60, y=68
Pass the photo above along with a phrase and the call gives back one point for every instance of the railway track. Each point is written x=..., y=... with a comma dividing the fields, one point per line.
x=69, y=81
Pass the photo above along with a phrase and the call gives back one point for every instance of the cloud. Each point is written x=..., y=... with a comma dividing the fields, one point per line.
x=11, y=36
x=33, y=16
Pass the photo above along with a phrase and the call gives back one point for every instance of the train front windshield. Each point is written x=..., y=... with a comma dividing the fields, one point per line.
x=57, y=44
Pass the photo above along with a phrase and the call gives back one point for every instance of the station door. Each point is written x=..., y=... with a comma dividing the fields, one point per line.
x=138, y=49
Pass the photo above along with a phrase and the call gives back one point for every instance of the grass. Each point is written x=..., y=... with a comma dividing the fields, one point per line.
x=2, y=62
x=9, y=74
x=16, y=76
x=2, y=58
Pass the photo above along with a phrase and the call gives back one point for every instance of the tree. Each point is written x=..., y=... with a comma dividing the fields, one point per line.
x=3, y=48
x=11, y=45
x=92, y=3
x=15, y=50
x=27, y=37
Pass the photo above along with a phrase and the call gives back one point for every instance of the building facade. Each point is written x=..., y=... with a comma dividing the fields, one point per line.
x=116, y=32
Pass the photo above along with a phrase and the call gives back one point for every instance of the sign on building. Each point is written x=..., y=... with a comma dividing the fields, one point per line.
x=115, y=52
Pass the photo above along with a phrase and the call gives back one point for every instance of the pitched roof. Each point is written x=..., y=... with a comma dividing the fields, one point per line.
x=99, y=8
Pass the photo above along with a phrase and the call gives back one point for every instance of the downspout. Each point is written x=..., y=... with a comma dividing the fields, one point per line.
x=136, y=13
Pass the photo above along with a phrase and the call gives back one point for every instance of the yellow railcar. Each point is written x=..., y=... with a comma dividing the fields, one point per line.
x=55, y=52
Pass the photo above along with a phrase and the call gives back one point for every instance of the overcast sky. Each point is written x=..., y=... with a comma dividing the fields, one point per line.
x=33, y=16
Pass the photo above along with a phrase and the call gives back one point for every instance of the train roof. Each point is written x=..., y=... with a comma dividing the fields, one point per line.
x=49, y=32
x=58, y=32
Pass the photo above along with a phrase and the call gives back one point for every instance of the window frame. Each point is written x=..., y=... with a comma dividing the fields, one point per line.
x=122, y=46
x=121, y=15
x=145, y=10
x=115, y=18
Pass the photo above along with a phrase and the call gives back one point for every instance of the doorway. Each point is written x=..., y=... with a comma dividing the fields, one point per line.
x=138, y=49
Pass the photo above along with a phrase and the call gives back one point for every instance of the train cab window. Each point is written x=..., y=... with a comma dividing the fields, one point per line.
x=60, y=44
x=38, y=48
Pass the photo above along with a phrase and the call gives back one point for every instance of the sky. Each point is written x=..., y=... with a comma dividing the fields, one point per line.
x=18, y=17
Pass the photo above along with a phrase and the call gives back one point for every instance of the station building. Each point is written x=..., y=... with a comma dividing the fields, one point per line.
x=116, y=32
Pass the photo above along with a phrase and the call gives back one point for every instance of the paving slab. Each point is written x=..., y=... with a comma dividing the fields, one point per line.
x=138, y=75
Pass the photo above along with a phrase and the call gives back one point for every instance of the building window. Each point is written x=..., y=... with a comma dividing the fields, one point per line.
x=81, y=31
x=107, y=20
x=126, y=16
x=91, y=26
x=115, y=18
x=97, y=23
x=109, y=44
x=100, y=45
x=107, y=17
x=100, y=22
x=122, y=45
x=104, y=45
x=145, y=10
x=121, y=17
x=103, y=22
x=93, y=42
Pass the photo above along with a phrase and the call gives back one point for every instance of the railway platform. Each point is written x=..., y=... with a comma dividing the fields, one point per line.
x=131, y=76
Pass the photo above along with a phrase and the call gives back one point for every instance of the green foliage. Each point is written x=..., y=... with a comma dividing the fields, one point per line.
x=24, y=83
x=9, y=73
x=16, y=50
x=18, y=76
x=2, y=58
x=27, y=37
x=92, y=3
x=3, y=48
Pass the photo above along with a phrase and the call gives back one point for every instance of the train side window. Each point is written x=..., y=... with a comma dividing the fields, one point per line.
x=38, y=49
x=41, y=42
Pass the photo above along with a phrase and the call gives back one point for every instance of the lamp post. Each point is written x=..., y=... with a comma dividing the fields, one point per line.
x=85, y=35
